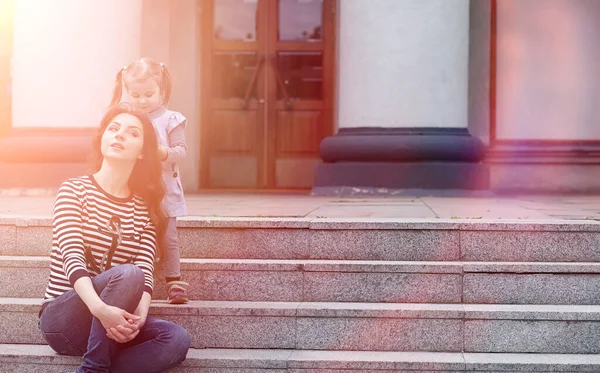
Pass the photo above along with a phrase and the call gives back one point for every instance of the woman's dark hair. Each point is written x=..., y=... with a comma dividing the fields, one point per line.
x=146, y=178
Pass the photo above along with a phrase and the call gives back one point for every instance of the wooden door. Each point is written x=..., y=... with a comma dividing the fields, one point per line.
x=268, y=91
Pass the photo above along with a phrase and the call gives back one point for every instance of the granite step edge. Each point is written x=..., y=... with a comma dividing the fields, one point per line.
x=358, y=266
x=353, y=310
x=359, y=360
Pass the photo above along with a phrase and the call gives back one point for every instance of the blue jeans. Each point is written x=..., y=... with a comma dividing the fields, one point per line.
x=70, y=329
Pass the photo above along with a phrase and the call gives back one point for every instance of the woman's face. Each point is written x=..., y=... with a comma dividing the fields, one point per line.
x=123, y=138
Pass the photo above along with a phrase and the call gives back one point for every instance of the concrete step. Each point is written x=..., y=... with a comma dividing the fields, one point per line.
x=354, y=239
x=38, y=358
x=359, y=326
x=352, y=281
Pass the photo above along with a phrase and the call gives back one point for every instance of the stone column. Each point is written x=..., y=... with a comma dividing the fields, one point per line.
x=65, y=57
x=402, y=100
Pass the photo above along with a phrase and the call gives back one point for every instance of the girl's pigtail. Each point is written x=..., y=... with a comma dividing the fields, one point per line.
x=165, y=84
x=118, y=90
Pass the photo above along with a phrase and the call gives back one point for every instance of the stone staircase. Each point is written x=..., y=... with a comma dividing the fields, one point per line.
x=351, y=296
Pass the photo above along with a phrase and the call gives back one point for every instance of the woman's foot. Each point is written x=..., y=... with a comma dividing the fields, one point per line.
x=176, y=293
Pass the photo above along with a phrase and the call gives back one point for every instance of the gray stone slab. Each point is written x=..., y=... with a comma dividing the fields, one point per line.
x=481, y=208
x=238, y=331
x=225, y=308
x=531, y=362
x=20, y=305
x=17, y=221
x=20, y=327
x=525, y=225
x=375, y=360
x=237, y=358
x=293, y=309
x=531, y=312
x=515, y=246
x=277, y=265
x=414, y=210
x=33, y=240
x=238, y=285
x=381, y=310
x=23, y=282
x=368, y=370
x=518, y=336
x=38, y=367
x=8, y=239
x=37, y=221
x=382, y=287
x=245, y=243
x=358, y=326
x=276, y=280
x=193, y=369
x=533, y=369
x=371, y=334
x=24, y=261
x=30, y=358
x=362, y=266
x=353, y=223
x=399, y=245
x=259, y=324
x=24, y=358
x=242, y=223
x=530, y=267
x=531, y=288
x=40, y=355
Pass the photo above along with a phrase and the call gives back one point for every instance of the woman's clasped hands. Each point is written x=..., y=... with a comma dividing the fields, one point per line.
x=121, y=326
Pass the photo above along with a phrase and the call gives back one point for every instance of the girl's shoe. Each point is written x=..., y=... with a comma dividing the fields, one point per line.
x=176, y=293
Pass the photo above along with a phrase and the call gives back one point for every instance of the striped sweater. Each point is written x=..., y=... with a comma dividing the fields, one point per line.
x=93, y=231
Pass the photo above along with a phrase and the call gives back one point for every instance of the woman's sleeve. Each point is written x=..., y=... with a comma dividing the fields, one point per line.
x=67, y=227
x=145, y=259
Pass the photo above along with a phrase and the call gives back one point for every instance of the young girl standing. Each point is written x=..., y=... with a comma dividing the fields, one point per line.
x=148, y=84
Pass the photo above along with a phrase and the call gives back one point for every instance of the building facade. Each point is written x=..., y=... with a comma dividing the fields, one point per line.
x=335, y=96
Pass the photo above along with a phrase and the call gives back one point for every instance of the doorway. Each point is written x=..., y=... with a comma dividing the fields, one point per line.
x=268, y=80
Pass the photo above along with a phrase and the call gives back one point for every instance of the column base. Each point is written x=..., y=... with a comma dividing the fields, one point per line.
x=405, y=161
x=400, y=178
x=401, y=145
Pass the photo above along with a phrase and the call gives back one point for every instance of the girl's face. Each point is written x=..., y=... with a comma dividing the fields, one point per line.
x=144, y=95
x=123, y=138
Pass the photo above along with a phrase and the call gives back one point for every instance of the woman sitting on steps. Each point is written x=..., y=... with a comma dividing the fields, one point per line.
x=105, y=229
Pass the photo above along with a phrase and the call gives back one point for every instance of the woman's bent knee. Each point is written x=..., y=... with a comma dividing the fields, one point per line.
x=129, y=279
x=131, y=273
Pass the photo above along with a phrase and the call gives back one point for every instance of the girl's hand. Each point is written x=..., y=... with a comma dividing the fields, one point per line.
x=162, y=153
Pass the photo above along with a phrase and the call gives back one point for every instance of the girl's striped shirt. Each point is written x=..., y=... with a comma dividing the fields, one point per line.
x=93, y=231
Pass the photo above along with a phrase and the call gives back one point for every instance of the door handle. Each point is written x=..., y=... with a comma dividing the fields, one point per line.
x=252, y=83
x=286, y=96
